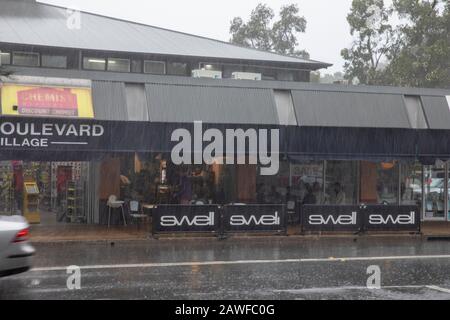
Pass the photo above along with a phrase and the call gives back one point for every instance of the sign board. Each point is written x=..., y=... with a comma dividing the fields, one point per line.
x=39, y=101
x=186, y=218
x=360, y=218
x=392, y=218
x=331, y=218
x=254, y=218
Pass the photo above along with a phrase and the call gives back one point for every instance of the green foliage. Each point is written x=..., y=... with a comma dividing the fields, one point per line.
x=424, y=59
x=262, y=33
x=415, y=53
x=374, y=41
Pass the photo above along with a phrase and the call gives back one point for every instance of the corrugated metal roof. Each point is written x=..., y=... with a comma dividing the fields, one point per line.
x=27, y=22
x=437, y=111
x=339, y=109
x=210, y=104
x=184, y=99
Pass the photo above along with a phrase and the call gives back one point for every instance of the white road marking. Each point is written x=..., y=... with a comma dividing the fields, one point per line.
x=240, y=262
x=436, y=288
x=334, y=289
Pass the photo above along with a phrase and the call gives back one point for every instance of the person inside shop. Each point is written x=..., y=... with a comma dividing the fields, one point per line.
x=337, y=195
x=18, y=185
x=321, y=197
x=274, y=197
x=309, y=198
x=184, y=194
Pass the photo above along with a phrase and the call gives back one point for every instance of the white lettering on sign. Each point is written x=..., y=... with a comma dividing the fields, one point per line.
x=265, y=220
x=197, y=221
x=403, y=219
x=25, y=134
x=347, y=219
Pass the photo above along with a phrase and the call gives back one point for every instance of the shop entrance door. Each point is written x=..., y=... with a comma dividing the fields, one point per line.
x=436, y=196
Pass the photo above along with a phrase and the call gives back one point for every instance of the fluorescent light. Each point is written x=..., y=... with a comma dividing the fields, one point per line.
x=96, y=61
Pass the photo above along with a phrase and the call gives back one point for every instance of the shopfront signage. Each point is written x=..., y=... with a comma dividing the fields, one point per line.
x=395, y=218
x=360, y=218
x=185, y=218
x=38, y=101
x=254, y=218
x=331, y=218
x=23, y=134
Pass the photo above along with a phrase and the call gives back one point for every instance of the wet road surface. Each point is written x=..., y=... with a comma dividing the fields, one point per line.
x=263, y=268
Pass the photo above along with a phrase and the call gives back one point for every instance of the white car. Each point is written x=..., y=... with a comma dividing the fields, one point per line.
x=15, y=251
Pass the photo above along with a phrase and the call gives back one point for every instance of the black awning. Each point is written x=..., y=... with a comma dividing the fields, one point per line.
x=78, y=139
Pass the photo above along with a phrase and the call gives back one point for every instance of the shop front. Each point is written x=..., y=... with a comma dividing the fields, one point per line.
x=254, y=163
x=81, y=163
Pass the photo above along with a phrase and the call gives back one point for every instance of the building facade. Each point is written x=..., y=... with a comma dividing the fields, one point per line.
x=86, y=115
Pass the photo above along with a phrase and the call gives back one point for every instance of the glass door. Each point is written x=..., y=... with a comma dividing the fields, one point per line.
x=435, y=192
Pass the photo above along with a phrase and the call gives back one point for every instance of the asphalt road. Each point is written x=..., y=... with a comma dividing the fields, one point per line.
x=275, y=268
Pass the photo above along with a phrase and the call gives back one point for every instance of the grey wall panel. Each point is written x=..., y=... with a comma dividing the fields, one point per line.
x=109, y=100
x=210, y=104
x=136, y=102
x=437, y=112
x=177, y=80
x=347, y=109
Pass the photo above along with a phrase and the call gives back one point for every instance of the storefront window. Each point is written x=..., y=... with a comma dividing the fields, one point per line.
x=411, y=184
x=307, y=183
x=387, y=183
x=341, y=182
x=273, y=189
x=435, y=193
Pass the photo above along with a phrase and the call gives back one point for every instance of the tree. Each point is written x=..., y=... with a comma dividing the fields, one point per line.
x=375, y=42
x=424, y=59
x=262, y=33
x=415, y=53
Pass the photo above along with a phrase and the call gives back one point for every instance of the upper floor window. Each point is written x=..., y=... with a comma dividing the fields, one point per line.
x=177, y=68
x=26, y=59
x=136, y=66
x=154, y=67
x=119, y=65
x=5, y=58
x=210, y=66
x=90, y=63
x=53, y=61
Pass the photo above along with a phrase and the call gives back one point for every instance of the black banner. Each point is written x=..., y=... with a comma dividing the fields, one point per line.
x=360, y=218
x=254, y=218
x=331, y=218
x=392, y=218
x=186, y=218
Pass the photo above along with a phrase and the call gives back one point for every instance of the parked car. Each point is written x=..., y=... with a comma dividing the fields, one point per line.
x=15, y=250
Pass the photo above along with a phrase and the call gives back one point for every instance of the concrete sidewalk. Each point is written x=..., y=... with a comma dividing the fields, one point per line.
x=93, y=233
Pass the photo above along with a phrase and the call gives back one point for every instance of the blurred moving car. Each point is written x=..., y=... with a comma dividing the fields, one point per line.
x=15, y=251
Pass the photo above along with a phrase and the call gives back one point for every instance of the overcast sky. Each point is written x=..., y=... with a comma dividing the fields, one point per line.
x=327, y=32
